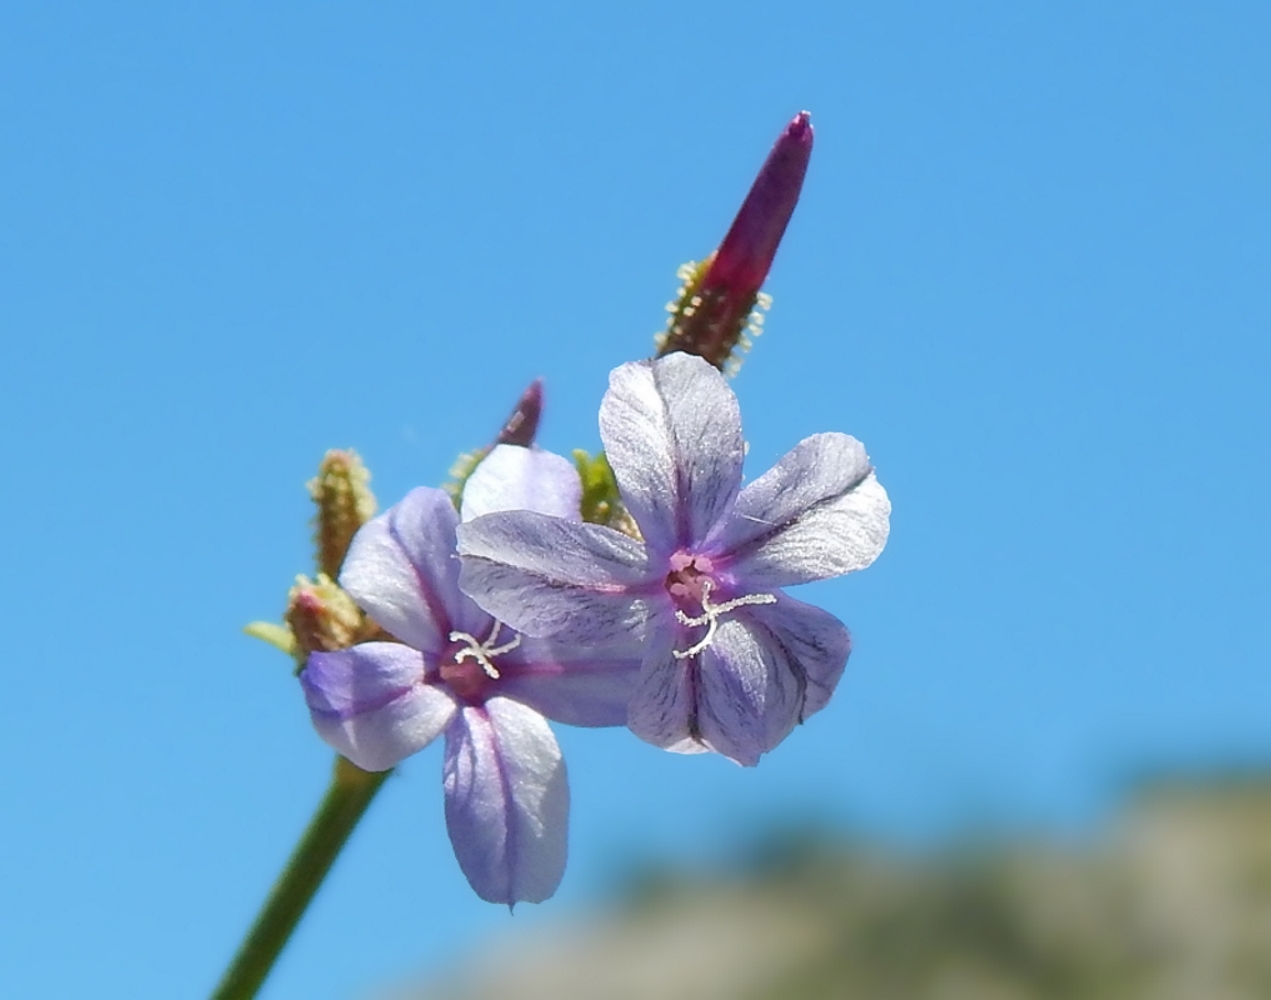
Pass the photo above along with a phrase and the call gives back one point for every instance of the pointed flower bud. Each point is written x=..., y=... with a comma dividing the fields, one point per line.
x=345, y=503
x=522, y=425
x=322, y=617
x=519, y=429
x=716, y=307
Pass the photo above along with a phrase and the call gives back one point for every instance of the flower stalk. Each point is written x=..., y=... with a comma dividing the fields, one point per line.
x=343, y=806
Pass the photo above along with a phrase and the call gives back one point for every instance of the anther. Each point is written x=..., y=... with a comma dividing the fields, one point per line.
x=710, y=617
x=484, y=652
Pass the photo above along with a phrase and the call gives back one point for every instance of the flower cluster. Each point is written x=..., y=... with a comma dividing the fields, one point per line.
x=513, y=611
x=482, y=623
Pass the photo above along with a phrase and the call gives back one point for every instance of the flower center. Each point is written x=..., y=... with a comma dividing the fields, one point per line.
x=468, y=665
x=689, y=579
x=690, y=584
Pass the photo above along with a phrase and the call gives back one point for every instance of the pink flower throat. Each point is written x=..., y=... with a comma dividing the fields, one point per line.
x=467, y=664
x=690, y=580
x=465, y=677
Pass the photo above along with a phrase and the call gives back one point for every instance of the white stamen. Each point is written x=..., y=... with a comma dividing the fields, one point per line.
x=710, y=617
x=484, y=652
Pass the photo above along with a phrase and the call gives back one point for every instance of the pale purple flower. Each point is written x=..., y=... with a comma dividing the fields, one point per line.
x=457, y=671
x=730, y=662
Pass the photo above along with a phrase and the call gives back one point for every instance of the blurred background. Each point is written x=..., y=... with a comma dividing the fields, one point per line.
x=1029, y=271
x=1173, y=901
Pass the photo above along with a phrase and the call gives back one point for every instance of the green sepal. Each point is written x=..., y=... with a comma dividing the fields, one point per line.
x=278, y=636
x=465, y=465
x=601, y=503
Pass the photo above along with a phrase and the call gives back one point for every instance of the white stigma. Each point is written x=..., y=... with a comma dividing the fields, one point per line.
x=485, y=652
x=710, y=617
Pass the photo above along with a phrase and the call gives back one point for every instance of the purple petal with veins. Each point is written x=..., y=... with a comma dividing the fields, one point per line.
x=515, y=478
x=372, y=705
x=579, y=685
x=402, y=570
x=507, y=801
x=547, y=576
x=819, y=512
x=672, y=434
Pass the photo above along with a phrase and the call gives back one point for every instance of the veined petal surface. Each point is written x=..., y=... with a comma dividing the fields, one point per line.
x=402, y=569
x=370, y=703
x=663, y=709
x=672, y=434
x=818, y=513
x=748, y=699
x=507, y=801
x=516, y=478
x=804, y=641
x=547, y=576
x=579, y=685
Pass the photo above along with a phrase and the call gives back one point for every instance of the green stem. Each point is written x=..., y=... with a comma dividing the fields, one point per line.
x=344, y=804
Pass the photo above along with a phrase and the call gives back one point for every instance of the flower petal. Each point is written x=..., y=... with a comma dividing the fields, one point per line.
x=546, y=576
x=767, y=668
x=805, y=641
x=371, y=703
x=507, y=801
x=663, y=709
x=748, y=700
x=580, y=685
x=732, y=697
x=817, y=513
x=515, y=478
x=402, y=569
x=672, y=433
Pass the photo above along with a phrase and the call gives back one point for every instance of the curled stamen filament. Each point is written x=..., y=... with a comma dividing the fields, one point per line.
x=484, y=652
x=710, y=617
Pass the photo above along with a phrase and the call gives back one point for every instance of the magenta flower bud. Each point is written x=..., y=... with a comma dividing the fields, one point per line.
x=716, y=305
x=519, y=429
x=522, y=425
x=741, y=264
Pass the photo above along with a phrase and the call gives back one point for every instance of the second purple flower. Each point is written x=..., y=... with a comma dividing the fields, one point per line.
x=457, y=672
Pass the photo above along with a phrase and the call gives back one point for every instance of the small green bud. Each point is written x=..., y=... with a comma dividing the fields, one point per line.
x=278, y=636
x=345, y=503
x=322, y=617
x=601, y=503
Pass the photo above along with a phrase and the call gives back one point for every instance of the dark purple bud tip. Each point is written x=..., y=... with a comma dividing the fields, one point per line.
x=522, y=425
x=715, y=308
x=746, y=254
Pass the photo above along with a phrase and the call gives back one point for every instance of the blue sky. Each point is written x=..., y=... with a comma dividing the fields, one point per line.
x=1029, y=271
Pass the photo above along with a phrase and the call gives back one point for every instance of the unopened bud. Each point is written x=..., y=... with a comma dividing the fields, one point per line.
x=519, y=429
x=345, y=503
x=522, y=425
x=322, y=617
x=717, y=303
x=601, y=501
